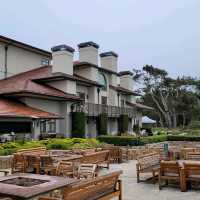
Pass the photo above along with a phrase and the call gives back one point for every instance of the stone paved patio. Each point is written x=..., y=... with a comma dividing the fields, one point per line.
x=147, y=191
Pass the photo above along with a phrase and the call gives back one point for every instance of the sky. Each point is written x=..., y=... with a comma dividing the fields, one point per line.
x=162, y=33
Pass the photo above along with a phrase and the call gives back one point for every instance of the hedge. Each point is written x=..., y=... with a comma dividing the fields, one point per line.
x=78, y=124
x=153, y=139
x=67, y=143
x=183, y=138
x=102, y=124
x=120, y=140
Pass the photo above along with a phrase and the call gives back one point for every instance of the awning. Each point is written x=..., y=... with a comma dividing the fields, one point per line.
x=14, y=108
x=147, y=120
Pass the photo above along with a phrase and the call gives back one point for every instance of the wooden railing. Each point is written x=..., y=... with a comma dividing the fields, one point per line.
x=112, y=111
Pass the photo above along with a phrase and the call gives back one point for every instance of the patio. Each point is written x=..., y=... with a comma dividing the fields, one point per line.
x=146, y=190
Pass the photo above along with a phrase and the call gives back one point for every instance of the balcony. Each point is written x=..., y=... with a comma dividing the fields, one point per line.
x=93, y=110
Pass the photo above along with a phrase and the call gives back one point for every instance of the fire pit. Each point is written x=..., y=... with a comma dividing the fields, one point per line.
x=24, y=182
x=32, y=186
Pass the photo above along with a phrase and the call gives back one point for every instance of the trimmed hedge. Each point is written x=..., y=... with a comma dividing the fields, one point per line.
x=153, y=139
x=123, y=123
x=78, y=124
x=131, y=140
x=120, y=140
x=102, y=124
x=183, y=138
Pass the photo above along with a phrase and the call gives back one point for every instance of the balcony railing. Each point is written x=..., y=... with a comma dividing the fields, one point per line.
x=112, y=111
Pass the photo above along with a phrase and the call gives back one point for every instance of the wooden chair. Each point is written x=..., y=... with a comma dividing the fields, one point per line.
x=149, y=163
x=169, y=170
x=35, y=151
x=65, y=168
x=192, y=156
x=101, y=188
x=100, y=158
x=190, y=173
x=185, y=151
x=87, y=171
x=115, y=154
x=32, y=163
x=18, y=163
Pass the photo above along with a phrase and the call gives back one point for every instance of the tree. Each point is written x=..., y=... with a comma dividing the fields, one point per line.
x=173, y=99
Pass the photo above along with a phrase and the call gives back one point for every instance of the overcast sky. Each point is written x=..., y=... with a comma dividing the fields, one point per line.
x=164, y=33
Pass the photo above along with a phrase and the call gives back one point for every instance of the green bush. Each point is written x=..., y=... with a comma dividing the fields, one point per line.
x=194, y=125
x=183, y=138
x=153, y=139
x=102, y=124
x=120, y=140
x=123, y=123
x=64, y=144
x=78, y=124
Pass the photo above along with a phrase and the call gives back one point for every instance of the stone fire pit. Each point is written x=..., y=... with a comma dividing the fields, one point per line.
x=31, y=186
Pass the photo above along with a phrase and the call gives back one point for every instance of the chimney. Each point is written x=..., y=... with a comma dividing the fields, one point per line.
x=126, y=79
x=62, y=57
x=109, y=60
x=88, y=52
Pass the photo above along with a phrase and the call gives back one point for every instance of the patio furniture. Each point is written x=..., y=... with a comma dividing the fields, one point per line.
x=32, y=186
x=87, y=171
x=65, y=168
x=100, y=158
x=190, y=173
x=35, y=151
x=192, y=156
x=185, y=151
x=115, y=154
x=169, y=170
x=149, y=163
x=32, y=163
x=101, y=188
x=18, y=163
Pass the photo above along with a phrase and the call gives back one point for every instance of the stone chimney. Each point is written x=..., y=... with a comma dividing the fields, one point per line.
x=126, y=79
x=62, y=58
x=109, y=60
x=88, y=52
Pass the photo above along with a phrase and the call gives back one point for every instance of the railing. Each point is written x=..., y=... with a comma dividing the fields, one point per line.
x=112, y=111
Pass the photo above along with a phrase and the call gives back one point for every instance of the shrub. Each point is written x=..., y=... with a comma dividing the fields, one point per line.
x=60, y=144
x=102, y=124
x=153, y=139
x=194, y=125
x=182, y=138
x=78, y=124
x=120, y=140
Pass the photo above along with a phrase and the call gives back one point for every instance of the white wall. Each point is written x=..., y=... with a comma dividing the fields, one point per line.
x=19, y=60
x=90, y=73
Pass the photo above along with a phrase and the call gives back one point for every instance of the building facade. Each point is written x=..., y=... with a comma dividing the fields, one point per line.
x=42, y=99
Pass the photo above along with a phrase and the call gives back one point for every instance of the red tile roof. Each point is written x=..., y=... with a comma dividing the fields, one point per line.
x=23, y=83
x=139, y=105
x=13, y=108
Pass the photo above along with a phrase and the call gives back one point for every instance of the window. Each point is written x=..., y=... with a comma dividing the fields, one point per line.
x=122, y=103
x=44, y=61
x=81, y=95
x=102, y=81
x=43, y=127
x=52, y=126
x=48, y=126
x=104, y=100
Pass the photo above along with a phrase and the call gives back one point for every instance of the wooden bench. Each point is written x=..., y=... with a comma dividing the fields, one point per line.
x=148, y=163
x=99, y=158
x=33, y=151
x=115, y=154
x=192, y=156
x=169, y=170
x=101, y=188
x=190, y=173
